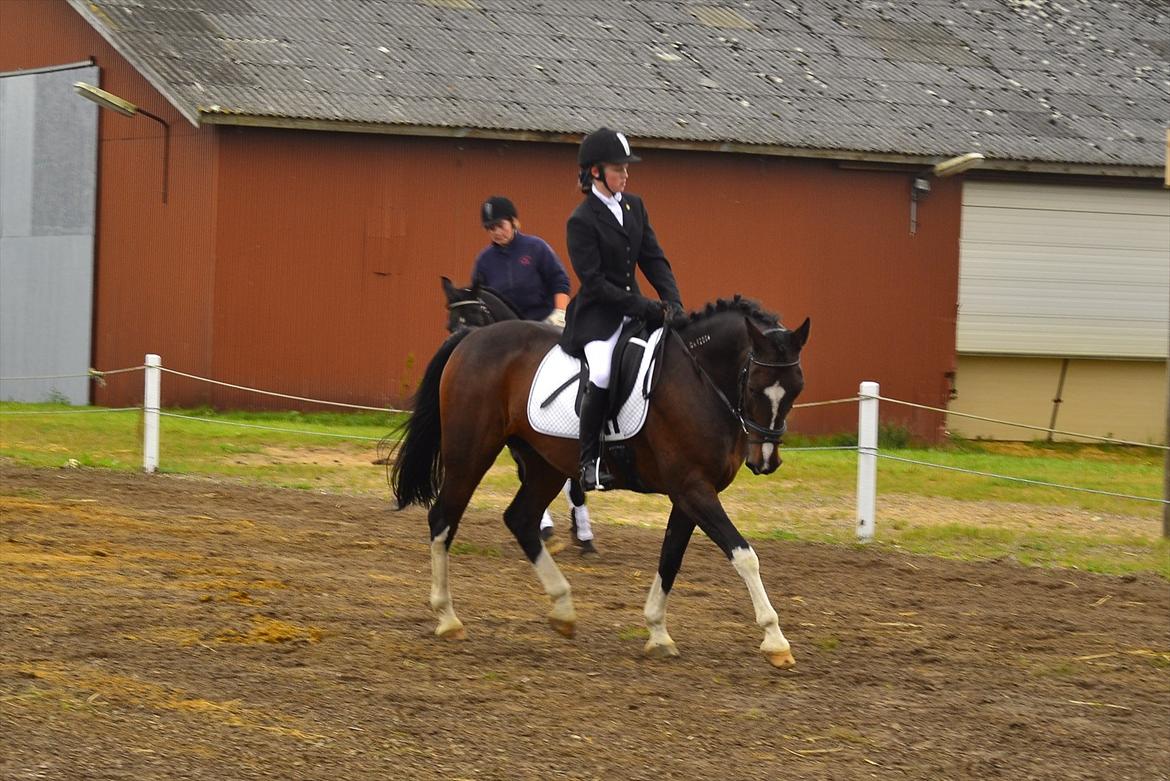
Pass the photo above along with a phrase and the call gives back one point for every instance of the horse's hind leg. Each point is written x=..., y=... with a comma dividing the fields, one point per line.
x=461, y=477
x=674, y=544
x=707, y=511
x=541, y=484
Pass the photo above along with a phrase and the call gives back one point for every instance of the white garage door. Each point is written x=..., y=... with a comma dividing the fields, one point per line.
x=1064, y=271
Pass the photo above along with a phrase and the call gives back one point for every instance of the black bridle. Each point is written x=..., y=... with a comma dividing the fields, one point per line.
x=770, y=436
x=476, y=302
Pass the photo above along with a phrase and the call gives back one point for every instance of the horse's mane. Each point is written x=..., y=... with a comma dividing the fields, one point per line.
x=500, y=297
x=745, y=306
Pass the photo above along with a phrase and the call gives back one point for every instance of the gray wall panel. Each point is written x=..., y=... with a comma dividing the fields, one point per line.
x=48, y=178
x=65, y=153
x=45, y=316
x=17, y=102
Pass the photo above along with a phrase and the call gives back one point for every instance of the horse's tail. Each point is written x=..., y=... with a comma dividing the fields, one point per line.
x=418, y=466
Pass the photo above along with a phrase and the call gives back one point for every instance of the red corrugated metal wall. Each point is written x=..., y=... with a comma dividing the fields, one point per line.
x=330, y=248
x=309, y=262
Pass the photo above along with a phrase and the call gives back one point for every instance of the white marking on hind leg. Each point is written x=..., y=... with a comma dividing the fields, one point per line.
x=655, y=613
x=747, y=564
x=556, y=587
x=440, y=587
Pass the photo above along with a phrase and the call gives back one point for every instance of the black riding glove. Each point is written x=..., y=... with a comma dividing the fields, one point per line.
x=652, y=312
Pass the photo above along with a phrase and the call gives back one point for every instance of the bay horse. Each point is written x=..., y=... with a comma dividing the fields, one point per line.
x=729, y=376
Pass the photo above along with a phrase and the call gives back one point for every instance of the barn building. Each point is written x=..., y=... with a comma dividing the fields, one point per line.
x=301, y=172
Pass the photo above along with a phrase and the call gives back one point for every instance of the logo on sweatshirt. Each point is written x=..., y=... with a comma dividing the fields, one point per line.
x=525, y=260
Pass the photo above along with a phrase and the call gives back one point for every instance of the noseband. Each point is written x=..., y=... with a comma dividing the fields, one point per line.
x=476, y=302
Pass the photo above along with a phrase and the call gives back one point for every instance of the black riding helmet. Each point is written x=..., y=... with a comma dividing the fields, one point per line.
x=600, y=147
x=495, y=209
x=605, y=146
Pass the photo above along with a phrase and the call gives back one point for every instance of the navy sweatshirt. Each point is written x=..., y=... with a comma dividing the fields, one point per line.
x=526, y=272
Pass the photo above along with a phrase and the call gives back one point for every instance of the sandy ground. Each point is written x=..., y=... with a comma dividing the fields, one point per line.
x=185, y=628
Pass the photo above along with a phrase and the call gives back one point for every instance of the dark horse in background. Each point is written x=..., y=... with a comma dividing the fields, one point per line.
x=729, y=377
x=477, y=306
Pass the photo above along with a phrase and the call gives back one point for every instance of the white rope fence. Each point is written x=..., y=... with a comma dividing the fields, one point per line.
x=1020, y=479
x=866, y=447
x=266, y=428
x=279, y=395
x=92, y=374
x=1110, y=440
x=78, y=411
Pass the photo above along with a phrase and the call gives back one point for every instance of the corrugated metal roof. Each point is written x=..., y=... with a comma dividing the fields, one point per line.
x=1028, y=80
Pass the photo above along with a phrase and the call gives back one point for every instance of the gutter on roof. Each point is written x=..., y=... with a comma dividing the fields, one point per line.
x=222, y=117
x=49, y=69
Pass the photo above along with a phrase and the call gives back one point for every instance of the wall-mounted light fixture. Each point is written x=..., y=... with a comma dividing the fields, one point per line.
x=127, y=109
x=920, y=184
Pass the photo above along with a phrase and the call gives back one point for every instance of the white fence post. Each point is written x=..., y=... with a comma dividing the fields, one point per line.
x=151, y=399
x=867, y=442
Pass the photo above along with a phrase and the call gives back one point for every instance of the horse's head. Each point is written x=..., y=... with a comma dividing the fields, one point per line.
x=465, y=308
x=770, y=381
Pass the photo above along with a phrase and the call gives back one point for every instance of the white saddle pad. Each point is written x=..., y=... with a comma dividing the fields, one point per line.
x=559, y=419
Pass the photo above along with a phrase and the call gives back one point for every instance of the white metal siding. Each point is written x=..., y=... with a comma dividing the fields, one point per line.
x=1064, y=271
x=48, y=176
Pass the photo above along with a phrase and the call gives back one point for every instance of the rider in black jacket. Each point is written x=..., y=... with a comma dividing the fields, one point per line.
x=609, y=234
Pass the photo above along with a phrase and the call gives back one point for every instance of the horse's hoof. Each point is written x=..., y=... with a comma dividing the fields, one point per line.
x=587, y=548
x=660, y=650
x=782, y=660
x=456, y=632
x=566, y=628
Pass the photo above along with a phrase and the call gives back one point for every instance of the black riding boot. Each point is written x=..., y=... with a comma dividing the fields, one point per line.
x=593, y=408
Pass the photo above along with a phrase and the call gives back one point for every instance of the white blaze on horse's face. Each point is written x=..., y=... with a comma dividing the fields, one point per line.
x=763, y=458
x=769, y=451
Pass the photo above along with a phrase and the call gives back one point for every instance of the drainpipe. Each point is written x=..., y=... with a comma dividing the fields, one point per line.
x=1056, y=402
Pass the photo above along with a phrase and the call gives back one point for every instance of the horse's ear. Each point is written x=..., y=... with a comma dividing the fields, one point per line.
x=801, y=334
x=448, y=289
x=760, y=342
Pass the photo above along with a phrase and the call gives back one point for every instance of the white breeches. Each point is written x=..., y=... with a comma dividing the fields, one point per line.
x=599, y=355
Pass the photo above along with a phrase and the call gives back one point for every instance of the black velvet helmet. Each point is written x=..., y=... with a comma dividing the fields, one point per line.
x=495, y=209
x=605, y=146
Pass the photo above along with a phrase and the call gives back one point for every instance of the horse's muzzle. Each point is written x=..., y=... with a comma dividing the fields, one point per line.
x=766, y=465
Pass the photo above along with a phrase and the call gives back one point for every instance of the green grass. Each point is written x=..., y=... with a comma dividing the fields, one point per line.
x=920, y=509
x=205, y=445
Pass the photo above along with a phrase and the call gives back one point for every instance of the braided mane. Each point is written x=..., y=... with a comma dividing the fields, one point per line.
x=745, y=306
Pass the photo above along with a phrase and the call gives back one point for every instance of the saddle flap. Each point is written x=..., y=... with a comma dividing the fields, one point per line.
x=554, y=397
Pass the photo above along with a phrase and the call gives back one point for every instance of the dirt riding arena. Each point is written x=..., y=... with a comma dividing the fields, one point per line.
x=181, y=628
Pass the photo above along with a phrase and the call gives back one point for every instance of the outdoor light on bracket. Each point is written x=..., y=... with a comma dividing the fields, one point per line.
x=127, y=109
x=920, y=184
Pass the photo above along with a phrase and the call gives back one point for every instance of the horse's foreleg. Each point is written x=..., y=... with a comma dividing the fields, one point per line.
x=713, y=520
x=674, y=544
x=775, y=645
x=540, y=486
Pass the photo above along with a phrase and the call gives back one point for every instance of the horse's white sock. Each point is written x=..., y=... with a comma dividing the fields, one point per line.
x=581, y=516
x=546, y=521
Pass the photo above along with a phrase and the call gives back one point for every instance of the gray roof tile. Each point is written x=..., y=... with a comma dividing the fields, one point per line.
x=1074, y=82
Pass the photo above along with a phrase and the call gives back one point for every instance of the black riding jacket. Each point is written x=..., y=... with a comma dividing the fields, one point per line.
x=604, y=254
